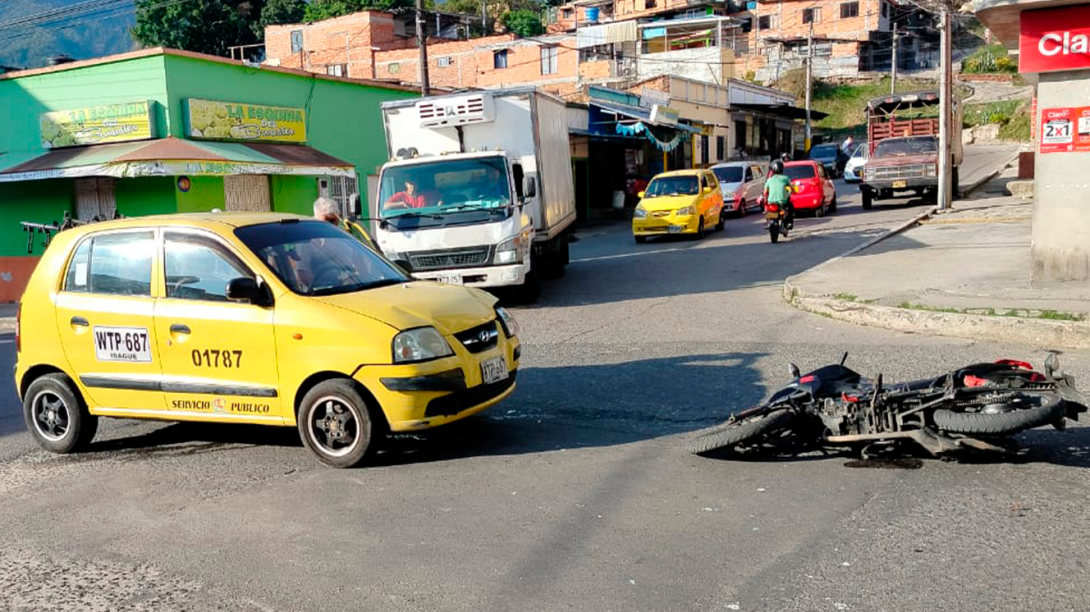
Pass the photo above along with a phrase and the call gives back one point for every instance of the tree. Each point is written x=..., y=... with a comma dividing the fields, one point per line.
x=203, y=26
x=276, y=12
x=318, y=10
x=523, y=22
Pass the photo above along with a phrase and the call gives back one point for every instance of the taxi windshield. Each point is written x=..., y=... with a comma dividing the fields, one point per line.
x=316, y=258
x=445, y=186
x=672, y=186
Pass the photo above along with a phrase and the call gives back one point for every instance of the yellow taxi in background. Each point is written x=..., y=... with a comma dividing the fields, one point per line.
x=679, y=202
x=251, y=318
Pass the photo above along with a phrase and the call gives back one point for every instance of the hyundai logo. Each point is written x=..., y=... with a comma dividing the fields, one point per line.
x=485, y=335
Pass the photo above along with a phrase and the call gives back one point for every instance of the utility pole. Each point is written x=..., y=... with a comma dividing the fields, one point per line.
x=422, y=42
x=809, y=83
x=945, y=106
x=893, y=64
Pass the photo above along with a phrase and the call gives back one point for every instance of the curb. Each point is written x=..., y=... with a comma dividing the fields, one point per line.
x=971, y=187
x=1038, y=332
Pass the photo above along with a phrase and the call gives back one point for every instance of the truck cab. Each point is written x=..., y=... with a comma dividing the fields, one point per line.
x=478, y=190
x=902, y=133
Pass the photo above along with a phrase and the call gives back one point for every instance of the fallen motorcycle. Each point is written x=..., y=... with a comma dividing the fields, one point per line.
x=977, y=407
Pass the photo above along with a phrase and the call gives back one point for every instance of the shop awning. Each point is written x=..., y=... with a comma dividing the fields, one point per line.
x=640, y=114
x=786, y=111
x=173, y=157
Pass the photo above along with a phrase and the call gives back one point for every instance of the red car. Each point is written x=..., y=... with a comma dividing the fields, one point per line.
x=814, y=190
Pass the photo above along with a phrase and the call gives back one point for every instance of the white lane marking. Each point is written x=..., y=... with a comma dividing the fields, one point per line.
x=634, y=254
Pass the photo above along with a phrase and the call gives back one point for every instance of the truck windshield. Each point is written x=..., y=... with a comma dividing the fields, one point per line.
x=672, y=186
x=899, y=147
x=317, y=258
x=445, y=186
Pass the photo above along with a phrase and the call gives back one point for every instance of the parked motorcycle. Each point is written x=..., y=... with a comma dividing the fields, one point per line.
x=977, y=407
x=776, y=220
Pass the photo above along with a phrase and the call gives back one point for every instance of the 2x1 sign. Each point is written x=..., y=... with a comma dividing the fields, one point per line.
x=1065, y=130
x=1055, y=39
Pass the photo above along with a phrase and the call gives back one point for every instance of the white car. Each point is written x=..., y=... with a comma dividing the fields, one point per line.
x=853, y=170
x=741, y=183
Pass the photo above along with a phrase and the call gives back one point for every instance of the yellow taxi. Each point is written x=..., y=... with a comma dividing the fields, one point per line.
x=251, y=318
x=679, y=202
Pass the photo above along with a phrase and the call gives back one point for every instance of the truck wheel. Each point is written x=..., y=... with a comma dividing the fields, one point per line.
x=868, y=200
x=56, y=415
x=335, y=423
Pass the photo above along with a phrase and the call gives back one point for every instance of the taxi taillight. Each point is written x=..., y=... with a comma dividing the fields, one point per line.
x=18, y=320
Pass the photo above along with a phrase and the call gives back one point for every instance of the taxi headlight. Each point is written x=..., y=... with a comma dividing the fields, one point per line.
x=686, y=210
x=420, y=344
x=507, y=322
x=639, y=214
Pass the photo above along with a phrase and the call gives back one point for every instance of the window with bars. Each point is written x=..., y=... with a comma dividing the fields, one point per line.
x=549, y=60
x=296, y=41
x=811, y=15
x=341, y=189
x=849, y=10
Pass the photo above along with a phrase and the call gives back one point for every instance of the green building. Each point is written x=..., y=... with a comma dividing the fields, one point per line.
x=163, y=131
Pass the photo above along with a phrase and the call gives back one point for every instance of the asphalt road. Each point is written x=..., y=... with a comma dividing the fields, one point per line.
x=576, y=493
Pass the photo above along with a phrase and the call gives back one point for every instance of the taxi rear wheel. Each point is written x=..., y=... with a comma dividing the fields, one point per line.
x=335, y=423
x=56, y=415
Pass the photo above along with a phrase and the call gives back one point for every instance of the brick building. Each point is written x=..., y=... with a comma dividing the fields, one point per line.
x=759, y=39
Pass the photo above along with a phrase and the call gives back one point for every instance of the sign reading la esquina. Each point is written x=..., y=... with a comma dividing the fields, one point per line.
x=204, y=119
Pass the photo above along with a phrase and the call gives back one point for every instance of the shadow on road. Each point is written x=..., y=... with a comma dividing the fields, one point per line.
x=554, y=408
x=672, y=267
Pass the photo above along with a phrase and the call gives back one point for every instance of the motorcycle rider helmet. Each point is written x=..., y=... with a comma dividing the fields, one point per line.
x=777, y=167
x=786, y=157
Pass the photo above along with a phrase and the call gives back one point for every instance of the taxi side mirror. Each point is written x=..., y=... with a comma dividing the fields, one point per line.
x=244, y=289
x=707, y=190
x=640, y=194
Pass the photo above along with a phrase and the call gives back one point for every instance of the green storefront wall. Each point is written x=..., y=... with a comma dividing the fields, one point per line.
x=343, y=120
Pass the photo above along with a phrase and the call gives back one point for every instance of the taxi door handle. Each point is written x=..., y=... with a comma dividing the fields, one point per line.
x=179, y=328
x=80, y=321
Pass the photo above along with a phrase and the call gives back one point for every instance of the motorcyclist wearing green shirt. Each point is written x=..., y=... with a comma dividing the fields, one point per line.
x=778, y=191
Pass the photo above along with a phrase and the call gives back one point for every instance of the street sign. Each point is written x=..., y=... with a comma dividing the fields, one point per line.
x=1055, y=39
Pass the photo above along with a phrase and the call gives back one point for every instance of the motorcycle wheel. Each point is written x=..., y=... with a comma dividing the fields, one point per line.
x=1026, y=411
x=774, y=233
x=746, y=430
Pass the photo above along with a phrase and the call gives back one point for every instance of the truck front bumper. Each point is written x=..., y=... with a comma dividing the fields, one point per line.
x=489, y=276
x=890, y=187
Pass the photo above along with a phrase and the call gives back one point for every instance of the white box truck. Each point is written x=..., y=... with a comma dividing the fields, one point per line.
x=479, y=190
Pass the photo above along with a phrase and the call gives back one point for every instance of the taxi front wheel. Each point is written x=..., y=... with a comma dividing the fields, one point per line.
x=56, y=415
x=335, y=424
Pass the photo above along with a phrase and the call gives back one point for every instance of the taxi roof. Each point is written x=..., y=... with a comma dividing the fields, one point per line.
x=687, y=172
x=207, y=220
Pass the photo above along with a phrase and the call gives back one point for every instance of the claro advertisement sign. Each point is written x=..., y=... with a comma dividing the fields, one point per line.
x=211, y=120
x=1055, y=39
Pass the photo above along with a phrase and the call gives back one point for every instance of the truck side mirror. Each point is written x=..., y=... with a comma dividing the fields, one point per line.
x=529, y=186
x=354, y=207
